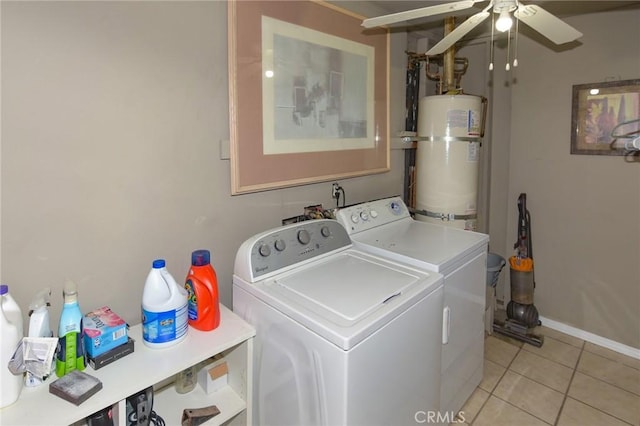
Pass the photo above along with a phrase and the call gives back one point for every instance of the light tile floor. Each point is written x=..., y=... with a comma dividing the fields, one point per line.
x=566, y=382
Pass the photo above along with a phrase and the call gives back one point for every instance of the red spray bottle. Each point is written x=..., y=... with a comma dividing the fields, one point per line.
x=202, y=285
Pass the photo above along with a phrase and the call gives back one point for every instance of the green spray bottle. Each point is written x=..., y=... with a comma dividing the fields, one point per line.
x=70, y=354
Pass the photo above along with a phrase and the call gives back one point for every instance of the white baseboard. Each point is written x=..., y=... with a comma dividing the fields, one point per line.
x=590, y=337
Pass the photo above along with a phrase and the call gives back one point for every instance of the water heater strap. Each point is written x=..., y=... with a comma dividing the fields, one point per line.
x=446, y=139
x=445, y=216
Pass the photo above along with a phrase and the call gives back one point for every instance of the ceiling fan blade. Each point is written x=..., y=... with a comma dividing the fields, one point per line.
x=547, y=24
x=418, y=13
x=455, y=35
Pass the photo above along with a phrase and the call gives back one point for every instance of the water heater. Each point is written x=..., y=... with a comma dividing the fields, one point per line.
x=447, y=159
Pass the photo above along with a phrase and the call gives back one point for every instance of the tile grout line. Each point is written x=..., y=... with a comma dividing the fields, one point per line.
x=617, y=360
x=612, y=359
x=508, y=368
x=495, y=386
x=566, y=392
x=583, y=349
x=515, y=372
x=538, y=382
x=523, y=410
x=615, y=385
x=548, y=358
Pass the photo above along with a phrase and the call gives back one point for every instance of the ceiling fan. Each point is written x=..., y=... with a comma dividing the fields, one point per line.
x=534, y=16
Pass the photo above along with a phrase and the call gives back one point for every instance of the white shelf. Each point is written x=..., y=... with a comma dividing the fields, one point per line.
x=146, y=367
x=169, y=404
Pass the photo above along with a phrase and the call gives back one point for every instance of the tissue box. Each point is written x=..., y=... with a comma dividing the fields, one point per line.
x=214, y=376
x=103, y=331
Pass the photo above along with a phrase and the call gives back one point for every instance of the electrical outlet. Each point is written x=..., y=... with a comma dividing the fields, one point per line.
x=335, y=191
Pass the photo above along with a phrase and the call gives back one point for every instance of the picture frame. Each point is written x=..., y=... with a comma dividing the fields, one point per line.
x=308, y=95
x=598, y=110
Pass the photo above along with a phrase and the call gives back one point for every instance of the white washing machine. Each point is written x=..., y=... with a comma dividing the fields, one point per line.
x=342, y=337
x=385, y=228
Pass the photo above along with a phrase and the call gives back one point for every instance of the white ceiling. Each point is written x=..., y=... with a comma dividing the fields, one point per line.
x=561, y=8
x=558, y=8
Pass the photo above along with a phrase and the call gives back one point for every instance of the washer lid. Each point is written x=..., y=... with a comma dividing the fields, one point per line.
x=422, y=244
x=348, y=286
x=347, y=296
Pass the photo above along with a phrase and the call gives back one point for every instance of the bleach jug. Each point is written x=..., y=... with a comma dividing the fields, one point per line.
x=202, y=285
x=164, y=308
x=11, y=333
x=70, y=353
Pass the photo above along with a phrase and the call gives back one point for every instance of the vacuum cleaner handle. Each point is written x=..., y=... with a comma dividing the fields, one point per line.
x=521, y=244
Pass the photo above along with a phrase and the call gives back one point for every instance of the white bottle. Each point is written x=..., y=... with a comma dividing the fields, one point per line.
x=11, y=333
x=164, y=308
x=39, y=326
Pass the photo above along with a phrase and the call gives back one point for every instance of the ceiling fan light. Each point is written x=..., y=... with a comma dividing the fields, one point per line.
x=504, y=22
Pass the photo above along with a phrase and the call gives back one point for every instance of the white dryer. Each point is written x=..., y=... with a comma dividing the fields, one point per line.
x=385, y=228
x=342, y=337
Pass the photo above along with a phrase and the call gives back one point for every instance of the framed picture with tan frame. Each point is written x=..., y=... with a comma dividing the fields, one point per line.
x=308, y=94
x=598, y=110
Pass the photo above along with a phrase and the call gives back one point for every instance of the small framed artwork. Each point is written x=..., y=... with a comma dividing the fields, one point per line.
x=308, y=90
x=598, y=110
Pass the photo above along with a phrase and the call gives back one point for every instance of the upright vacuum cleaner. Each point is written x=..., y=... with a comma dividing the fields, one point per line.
x=522, y=315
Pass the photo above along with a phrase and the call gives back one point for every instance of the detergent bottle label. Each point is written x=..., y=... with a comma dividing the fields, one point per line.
x=192, y=300
x=70, y=354
x=201, y=285
x=162, y=327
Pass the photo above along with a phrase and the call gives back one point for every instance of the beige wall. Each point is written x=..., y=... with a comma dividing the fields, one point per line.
x=112, y=117
x=585, y=210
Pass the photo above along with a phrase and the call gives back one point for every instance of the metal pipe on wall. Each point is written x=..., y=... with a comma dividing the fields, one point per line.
x=449, y=58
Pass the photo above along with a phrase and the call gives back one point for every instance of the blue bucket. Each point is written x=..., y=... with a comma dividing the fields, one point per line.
x=495, y=263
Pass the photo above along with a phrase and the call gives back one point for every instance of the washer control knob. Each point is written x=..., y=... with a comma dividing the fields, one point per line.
x=264, y=250
x=395, y=207
x=364, y=215
x=280, y=245
x=303, y=237
x=355, y=218
x=325, y=231
x=373, y=214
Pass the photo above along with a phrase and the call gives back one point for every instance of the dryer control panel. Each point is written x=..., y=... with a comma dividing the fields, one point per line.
x=281, y=248
x=364, y=216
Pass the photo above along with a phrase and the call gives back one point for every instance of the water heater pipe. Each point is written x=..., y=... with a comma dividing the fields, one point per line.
x=449, y=58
